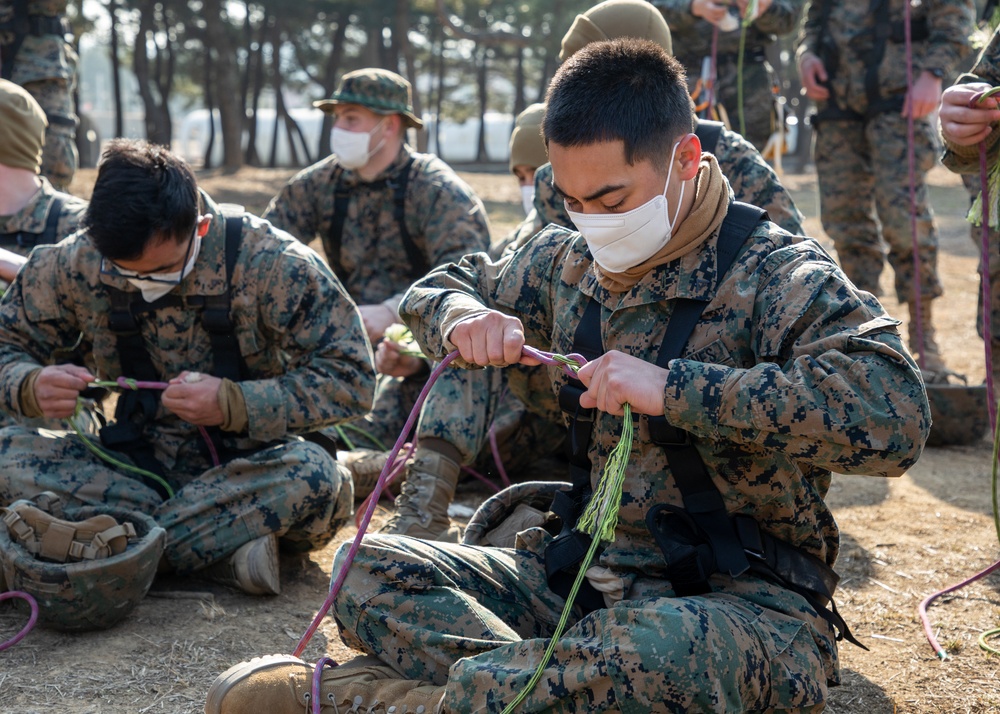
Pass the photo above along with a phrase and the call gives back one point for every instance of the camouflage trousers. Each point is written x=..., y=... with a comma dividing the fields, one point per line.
x=864, y=190
x=295, y=489
x=59, y=155
x=468, y=408
x=478, y=621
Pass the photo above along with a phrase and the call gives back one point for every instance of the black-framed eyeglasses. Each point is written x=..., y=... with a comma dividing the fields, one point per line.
x=108, y=267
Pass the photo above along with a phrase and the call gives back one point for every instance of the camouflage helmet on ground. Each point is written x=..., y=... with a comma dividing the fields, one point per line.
x=518, y=507
x=959, y=413
x=378, y=90
x=614, y=19
x=87, y=568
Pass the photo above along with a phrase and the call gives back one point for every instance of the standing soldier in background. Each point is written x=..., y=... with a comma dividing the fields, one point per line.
x=852, y=60
x=693, y=23
x=35, y=54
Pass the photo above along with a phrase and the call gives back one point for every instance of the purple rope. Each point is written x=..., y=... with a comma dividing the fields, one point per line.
x=33, y=604
x=567, y=362
x=126, y=383
x=317, y=682
x=985, y=285
x=476, y=475
x=912, y=171
x=379, y=485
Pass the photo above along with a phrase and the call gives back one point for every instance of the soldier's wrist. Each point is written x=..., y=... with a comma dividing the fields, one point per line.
x=26, y=396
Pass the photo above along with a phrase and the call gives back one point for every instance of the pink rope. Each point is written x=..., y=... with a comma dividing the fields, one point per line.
x=567, y=362
x=922, y=608
x=911, y=168
x=33, y=604
x=985, y=285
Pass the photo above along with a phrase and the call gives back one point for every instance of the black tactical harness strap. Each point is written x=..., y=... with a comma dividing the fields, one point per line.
x=24, y=239
x=341, y=201
x=23, y=24
x=708, y=133
x=137, y=408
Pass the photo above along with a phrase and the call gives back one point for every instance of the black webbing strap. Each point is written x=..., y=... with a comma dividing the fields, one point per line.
x=21, y=27
x=24, y=239
x=708, y=133
x=341, y=202
x=702, y=499
x=137, y=408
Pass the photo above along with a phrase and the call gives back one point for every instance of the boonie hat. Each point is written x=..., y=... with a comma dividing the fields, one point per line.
x=379, y=90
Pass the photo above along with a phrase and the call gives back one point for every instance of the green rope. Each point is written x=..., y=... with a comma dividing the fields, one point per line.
x=379, y=444
x=101, y=454
x=599, y=520
x=982, y=641
x=343, y=437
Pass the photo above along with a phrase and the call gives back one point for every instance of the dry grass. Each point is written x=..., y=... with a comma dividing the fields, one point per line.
x=902, y=540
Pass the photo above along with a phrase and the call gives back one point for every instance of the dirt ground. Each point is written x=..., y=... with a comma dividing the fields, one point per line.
x=902, y=540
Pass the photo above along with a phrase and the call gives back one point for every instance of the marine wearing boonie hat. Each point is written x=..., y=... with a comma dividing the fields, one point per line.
x=22, y=128
x=614, y=19
x=378, y=90
x=527, y=146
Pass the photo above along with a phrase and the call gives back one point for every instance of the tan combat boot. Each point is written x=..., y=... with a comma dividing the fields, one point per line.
x=931, y=360
x=422, y=505
x=366, y=466
x=282, y=684
x=252, y=568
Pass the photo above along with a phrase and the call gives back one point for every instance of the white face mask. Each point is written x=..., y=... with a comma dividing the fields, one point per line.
x=351, y=147
x=619, y=241
x=527, y=198
x=153, y=286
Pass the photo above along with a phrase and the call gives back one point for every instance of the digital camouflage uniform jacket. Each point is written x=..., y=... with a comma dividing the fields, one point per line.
x=299, y=332
x=444, y=218
x=965, y=159
x=851, y=28
x=790, y=373
x=752, y=179
x=33, y=217
x=39, y=57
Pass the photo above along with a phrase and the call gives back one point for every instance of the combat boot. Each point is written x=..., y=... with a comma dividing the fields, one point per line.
x=366, y=466
x=252, y=568
x=282, y=684
x=422, y=505
x=931, y=360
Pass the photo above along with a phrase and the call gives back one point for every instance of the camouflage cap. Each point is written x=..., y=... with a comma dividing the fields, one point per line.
x=379, y=90
x=527, y=145
x=22, y=128
x=614, y=19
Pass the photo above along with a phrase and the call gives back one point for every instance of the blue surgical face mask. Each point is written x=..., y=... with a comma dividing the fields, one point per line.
x=619, y=241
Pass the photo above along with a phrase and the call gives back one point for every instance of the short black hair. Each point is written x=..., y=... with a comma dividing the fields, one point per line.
x=143, y=194
x=625, y=89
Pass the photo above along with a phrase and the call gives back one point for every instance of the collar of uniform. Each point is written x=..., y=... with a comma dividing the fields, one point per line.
x=694, y=276
x=31, y=218
x=351, y=178
x=209, y=274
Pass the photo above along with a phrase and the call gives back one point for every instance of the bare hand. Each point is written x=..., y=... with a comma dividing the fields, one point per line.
x=963, y=124
x=710, y=10
x=377, y=319
x=813, y=74
x=490, y=338
x=615, y=378
x=57, y=388
x=924, y=96
x=10, y=263
x=194, y=397
x=391, y=361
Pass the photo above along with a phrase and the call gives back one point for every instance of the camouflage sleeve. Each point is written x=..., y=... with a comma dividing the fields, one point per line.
x=36, y=320
x=965, y=159
x=808, y=40
x=520, y=284
x=951, y=23
x=832, y=383
x=755, y=182
x=454, y=219
x=296, y=209
x=781, y=18
x=329, y=374
x=517, y=237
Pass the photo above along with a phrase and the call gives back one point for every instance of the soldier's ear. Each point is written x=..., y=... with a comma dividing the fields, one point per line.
x=688, y=156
